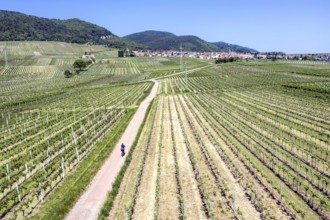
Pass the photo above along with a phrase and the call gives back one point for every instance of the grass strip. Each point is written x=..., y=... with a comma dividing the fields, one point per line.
x=116, y=185
x=64, y=197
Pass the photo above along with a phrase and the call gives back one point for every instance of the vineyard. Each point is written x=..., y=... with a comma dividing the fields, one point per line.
x=29, y=53
x=28, y=76
x=243, y=140
x=52, y=127
x=43, y=144
x=232, y=142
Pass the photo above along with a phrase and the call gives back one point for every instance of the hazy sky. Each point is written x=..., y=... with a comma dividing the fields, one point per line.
x=291, y=26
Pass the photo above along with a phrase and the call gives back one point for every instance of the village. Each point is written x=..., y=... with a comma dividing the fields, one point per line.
x=189, y=54
x=243, y=56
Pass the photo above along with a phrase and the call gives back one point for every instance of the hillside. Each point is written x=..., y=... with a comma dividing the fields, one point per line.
x=21, y=27
x=17, y=27
x=159, y=40
x=223, y=46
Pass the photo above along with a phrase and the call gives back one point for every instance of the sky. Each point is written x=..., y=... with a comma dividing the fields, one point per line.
x=290, y=26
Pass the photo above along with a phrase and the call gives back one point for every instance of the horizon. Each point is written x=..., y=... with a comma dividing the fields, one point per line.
x=295, y=27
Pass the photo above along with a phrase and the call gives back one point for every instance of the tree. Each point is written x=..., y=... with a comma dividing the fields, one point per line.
x=67, y=74
x=81, y=64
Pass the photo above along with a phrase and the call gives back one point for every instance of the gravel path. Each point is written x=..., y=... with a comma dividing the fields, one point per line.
x=90, y=203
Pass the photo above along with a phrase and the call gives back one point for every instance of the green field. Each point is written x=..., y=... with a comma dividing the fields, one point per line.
x=245, y=140
x=232, y=141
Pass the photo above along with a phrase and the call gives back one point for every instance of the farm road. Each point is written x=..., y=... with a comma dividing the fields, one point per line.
x=90, y=203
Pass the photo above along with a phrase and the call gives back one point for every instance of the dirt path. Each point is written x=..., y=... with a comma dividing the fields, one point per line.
x=90, y=203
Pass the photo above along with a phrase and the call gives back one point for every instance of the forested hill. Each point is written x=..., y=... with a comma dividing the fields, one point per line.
x=159, y=40
x=17, y=27
x=223, y=46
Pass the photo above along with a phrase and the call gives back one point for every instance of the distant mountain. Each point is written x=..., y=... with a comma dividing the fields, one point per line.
x=223, y=46
x=150, y=37
x=15, y=26
x=123, y=43
x=158, y=40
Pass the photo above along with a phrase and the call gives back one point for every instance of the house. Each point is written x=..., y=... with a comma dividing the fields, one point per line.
x=88, y=56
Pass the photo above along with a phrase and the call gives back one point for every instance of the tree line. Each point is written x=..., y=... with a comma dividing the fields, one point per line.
x=226, y=60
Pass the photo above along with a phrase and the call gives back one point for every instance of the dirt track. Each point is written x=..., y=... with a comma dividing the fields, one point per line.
x=90, y=203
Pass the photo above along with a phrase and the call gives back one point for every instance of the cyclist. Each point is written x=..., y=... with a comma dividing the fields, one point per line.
x=122, y=148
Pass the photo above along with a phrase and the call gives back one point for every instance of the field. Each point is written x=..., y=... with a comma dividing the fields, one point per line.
x=247, y=140
x=232, y=142
x=50, y=124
